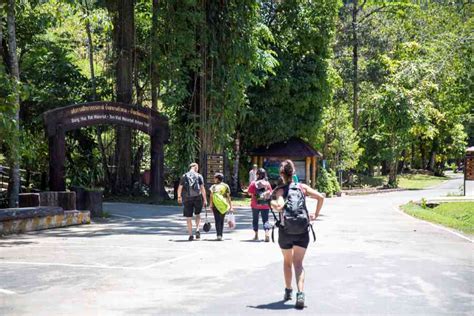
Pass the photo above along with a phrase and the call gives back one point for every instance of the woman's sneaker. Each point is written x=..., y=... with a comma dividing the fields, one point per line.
x=288, y=294
x=299, y=300
x=198, y=235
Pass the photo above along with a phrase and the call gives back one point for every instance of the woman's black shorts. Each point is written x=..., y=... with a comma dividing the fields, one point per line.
x=287, y=241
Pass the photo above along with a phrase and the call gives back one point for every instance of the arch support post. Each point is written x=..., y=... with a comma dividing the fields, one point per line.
x=57, y=157
x=157, y=178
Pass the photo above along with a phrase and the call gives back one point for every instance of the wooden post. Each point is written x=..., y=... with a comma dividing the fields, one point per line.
x=313, y=173
x=57, y=157
x=254, y=160
x=157, y=180
x=260, y=162
x=307, y=170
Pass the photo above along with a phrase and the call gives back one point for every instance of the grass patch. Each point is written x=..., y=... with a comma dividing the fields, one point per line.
x=241, y=201
x=457, y=215
x=405, y=181
x=419, y=181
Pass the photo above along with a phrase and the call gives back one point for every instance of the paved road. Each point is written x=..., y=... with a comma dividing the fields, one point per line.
x=369, y=259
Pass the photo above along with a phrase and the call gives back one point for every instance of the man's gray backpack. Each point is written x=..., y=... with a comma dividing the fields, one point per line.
x=191, y=184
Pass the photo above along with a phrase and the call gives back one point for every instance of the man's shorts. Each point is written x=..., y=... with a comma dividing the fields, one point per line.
x=288, y=241
x=192, y=205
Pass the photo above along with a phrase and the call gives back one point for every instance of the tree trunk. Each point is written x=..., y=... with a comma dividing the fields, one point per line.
x=392, y=175
x=90, y=44
x=136, y=167
x=124, y=30
x=155, y=81
x=385, y=167
x=401, y=163
x=355, y=64
x=14, y=184
x=103, y=155
x=422, y=155
x=90, y=47
x=235, y=169
x=433, y=153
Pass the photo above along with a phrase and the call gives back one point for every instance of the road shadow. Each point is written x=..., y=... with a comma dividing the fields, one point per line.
x=279, y=305
x=128, y=219
x=15, y=243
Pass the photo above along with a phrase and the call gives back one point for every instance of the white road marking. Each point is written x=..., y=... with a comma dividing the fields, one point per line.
x=84, y=245
x=435, y=225
x=7, y=292
x=124, y=216
x=168, y=261
x=66, y=265
x=95, y=266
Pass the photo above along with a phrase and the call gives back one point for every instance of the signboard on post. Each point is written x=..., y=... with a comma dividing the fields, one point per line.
x=470, y=168
x=214, y=164
x=469, y=171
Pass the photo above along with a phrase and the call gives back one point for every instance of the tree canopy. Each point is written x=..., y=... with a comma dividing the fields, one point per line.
x=368, y=83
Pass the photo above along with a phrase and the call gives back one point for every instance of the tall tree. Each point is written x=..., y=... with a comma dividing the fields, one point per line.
x=14, y=184
x=154, y=80
x=124, y=31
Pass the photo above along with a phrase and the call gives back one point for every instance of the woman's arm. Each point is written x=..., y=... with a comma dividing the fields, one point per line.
x=278, y=202
x=210, y=202
x=315, y=195
x=229, y=199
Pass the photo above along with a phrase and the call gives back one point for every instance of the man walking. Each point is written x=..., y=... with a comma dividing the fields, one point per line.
x=253, y=174
x=192, y=197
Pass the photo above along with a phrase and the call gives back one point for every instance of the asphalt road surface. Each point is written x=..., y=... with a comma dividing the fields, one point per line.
x=369, y=259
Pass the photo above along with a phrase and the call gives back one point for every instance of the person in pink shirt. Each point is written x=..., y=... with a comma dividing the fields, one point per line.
x=260, y=191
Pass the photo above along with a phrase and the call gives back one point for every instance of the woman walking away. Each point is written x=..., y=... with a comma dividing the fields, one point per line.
x=260, y=191
x=293, y=235
x=220, y=202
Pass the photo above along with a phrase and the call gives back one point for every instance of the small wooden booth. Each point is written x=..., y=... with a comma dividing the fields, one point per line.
x=303, y=155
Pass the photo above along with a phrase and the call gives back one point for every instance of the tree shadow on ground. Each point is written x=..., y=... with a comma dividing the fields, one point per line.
x=128, y=219
x=15, y=243
x=279, y=305
x=148, y=220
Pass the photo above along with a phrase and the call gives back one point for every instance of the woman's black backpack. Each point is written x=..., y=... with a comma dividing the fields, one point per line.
x=294, y=219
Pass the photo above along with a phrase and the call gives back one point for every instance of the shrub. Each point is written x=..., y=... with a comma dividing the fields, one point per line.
x=327, y=182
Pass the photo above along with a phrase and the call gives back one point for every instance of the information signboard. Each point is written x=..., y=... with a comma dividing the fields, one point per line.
x=215, y=163
x=469, y=168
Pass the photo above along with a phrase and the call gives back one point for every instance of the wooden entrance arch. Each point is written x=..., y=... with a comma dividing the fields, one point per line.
x=59, y=121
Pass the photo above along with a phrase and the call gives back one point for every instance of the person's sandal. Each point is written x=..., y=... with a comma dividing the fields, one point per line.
x=288, y=294
x=299, y=300
x=191, y=238
x=198, y=234
x=267, y=238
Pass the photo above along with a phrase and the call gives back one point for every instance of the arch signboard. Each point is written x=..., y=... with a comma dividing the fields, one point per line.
x=59, y=121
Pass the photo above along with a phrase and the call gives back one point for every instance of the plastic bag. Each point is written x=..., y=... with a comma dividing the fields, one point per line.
x=231, y=220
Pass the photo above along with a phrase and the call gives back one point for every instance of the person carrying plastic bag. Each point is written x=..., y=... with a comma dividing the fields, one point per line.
x=221, y=202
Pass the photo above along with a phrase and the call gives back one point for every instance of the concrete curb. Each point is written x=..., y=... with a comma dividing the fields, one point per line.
x=69, y=218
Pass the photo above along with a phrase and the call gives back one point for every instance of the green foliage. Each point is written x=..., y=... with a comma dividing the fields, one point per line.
x=82, y=160
x=262, y=71
x=337, y=138
x=299, y=90
x=327, y=182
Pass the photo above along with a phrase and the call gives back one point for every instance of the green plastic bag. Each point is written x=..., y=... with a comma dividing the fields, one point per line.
x=219, y=201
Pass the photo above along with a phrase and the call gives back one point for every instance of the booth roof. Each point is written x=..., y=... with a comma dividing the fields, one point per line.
x=293, y=147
